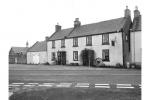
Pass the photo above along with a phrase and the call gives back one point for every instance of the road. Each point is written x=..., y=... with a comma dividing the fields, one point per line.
x=33, y=73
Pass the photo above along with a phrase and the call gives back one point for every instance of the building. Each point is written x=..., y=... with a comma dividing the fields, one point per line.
x=135, y=38
x=18, y=55
x=37, y=54
x=82, y=44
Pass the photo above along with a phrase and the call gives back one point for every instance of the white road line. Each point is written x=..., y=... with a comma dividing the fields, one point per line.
x=13, y=85
x=45, y=85
x=64, y=85
x=17, y=83
x=125, y=87
x=32, y=83
x=82, y=83
x=123, y=84
x=81, y=86
x=102, y=86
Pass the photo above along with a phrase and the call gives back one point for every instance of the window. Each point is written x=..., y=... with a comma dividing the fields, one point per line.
x=105, y=39
x=53, y=56
x=53, y=44
x=89, y=41
x=75, y=42
x=63, y=43
x=113, y=43
x=75, y=55
x=105, y=55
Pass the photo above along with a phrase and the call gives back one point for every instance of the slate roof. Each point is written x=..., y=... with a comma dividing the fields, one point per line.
x=108, y=26
x=136, y=24
x=38, y=46
x=61, y=34
x=22, y=50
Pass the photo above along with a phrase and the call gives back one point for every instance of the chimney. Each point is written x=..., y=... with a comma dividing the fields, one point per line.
x=77, y=23
x=57, y=27
x=27, y=44
x=46, y=38
x=127, y=12
x=136, y=12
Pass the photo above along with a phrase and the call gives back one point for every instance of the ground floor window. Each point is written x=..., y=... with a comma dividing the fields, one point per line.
x=105, y=55
x=53, y=56
x=75, y=55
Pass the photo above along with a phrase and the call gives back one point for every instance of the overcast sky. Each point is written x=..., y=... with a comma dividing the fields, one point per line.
x=32, y=20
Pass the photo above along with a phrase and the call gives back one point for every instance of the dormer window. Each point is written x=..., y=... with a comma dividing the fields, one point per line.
x=75, y=42
x=63, y=43
x=89, y=41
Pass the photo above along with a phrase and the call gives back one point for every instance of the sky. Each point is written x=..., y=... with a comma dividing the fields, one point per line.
x=32, y=20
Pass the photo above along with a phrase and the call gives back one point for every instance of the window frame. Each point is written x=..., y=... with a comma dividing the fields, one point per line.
x=104, y=58
x=63, y=43
x=89, y=40
x=53, y=44
x=75, y=54
x=105, y=41
x=75, y=42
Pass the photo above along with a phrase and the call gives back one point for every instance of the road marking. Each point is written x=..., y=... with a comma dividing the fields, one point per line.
x=102, y=86
x=123, y=84
x=32, y=83
x=18, y=83
x=64, y=85
x=82, y=85
x=125, y=87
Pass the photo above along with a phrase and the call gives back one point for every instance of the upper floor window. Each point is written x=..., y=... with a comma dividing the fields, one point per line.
x=105, y=39
x=63, y=43
x=105, y=55
x=53, y=44
x=75, y=42
x=89, y=40
x=75, y=55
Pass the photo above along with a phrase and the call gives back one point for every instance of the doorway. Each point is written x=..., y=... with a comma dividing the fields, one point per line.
x=61, y=55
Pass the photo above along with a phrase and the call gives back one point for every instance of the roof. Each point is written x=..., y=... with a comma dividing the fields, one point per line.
x=20, y=49
x=38, y=46
x=61, y=34
x=112, y=25
x=136, y=24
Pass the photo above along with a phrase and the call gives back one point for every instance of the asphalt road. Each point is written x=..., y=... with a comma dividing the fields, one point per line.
x=42, y=73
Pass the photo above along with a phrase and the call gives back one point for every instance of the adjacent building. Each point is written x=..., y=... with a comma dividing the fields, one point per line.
x=37, y=54
x=18, y=55
x=107, y=40
x=135, y=38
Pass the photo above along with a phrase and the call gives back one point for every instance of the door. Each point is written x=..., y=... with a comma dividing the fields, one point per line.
x=61, y=55
x=35, y=59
